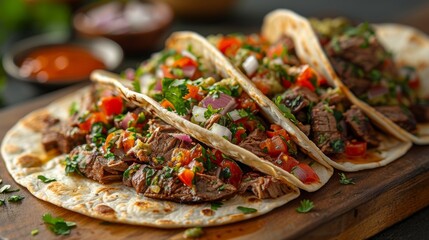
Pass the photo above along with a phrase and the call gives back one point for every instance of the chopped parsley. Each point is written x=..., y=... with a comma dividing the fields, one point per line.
x=344, y=180
x=6, y=189
x=285, y=110
x=363, y=30
x=195, y=232
x=45, y=179
x=15, y=198
x=136, y=85
x=246, y=210
x=174, y=91
x=72, y=164
x=210, y=111
x=131, y=170
x=215, y=205
x=73, y=109
x=338, y=145
x=58, y=225
x=34, y=232
x=149, y=174
x=306, y=206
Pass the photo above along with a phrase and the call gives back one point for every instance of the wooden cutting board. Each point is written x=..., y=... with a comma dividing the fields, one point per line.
x=380, y=198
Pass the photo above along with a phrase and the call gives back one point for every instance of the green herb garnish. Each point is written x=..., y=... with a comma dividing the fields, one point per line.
x=193, y=232
x=34, y=232
x=72, y=164
x=338, y=145
x=45, y=179
x=285, y=110
x=215, y=205
x=344, y=180
x=130, y=170
x=246, y=210
x=6, y=189
x=306, y=206
x=58, y=225
x=74, y=108
x=136, y=86
x=174, y=91
x=15, y=198
x=2, y=202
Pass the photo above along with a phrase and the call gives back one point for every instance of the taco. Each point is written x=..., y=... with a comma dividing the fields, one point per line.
x=118, y=162
x=189, y=81
x=381, y=68
x=340, y=129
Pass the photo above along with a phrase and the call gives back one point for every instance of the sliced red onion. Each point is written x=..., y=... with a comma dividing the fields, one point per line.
x=250, y=65
x=188, y=54
x=188, y=71
x=130, y=73
x=127, y=119
x=299, y=173
x=221, y=131
x=223, y=101
x=377, y=91
x=234, y=115
x=158, y=85
x=182, y=137
x=198, y=114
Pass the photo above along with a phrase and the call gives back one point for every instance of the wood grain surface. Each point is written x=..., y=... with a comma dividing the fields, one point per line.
x=380, y=198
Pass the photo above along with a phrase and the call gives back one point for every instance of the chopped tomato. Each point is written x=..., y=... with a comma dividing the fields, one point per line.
x=193, y=92
x=181, y=156
x=128, y=140
x=274, y=146
x=305, y=173
x=321, y=81
x=286, y=162
x=305, y=77
x=245, y=102
x=239, y=134
x=355, y=149
x=185, y=62
x=166, y=72
x=280, y=132
x=186, y=176
x=248, y=124
x=111, y=105
x=91, y=119
x=167, y=104
x=196, y=166
x=231, y=172
x=217, y=157
x=261, y=85
x=275, y=127
x=286, y=83
x=229, y=45
x=277, y=50
x=108, y=143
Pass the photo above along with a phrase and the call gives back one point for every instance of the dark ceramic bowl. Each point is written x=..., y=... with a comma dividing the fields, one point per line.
x=106, y=50
x=146, y=36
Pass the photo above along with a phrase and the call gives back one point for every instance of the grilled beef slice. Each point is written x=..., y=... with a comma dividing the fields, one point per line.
x=263, y=186
x=324, y=127
x=400, y=116
x=253, y=141
x=62, y=136
x=361, y=126
x=297, y=98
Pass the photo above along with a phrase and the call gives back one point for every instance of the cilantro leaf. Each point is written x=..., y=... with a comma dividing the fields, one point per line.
x=45, y=179
x=193, y=232
x=216, y=205
x=136, y=86
x=15, y=198
x=174, y=93
x=344, y=180
x=306, y=206
x=246, y=210
x=6, y=189
x=285, y=110
x=58, y=225
x=72, y=164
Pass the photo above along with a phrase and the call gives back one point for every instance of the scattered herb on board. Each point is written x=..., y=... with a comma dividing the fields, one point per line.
x=216, y=205
x=344, y=180
x=34, y=232
x=246, y=210
x=58, y=225
x=306, y=206
x=45, y=179
x=193, y=232
x=6, y=189
x=15, y=198
x=2, y=202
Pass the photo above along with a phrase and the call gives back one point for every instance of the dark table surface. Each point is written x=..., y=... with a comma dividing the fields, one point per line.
x=247, y=17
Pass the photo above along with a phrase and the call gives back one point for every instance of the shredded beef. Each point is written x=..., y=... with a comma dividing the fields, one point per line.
x=253, y=141
x=324, y=127
x=400, y=116
x=263, y=186
x=358, y=85
x=361, y=126
x=63, y=137
x=212, y=120
x=297, y=98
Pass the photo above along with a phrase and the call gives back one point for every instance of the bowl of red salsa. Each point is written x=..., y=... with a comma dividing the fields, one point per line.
x=55, y=59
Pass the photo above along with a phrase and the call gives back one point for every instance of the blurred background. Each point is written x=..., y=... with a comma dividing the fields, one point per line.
x=141, y=28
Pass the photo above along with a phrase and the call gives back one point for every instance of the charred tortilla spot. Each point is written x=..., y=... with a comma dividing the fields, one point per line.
x=253, y=200
x=108, y=190
x=104, y=209
x=207, y=212
x=155, y=211
x=417, y=40
x=29, y=160
x=164, y=222
x=36, y=122
x=143, y=205
x=12, y=149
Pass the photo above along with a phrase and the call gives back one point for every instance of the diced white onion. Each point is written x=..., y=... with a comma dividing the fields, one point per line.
x=198, y=114
x=278, y=61
x=234, y=115
x=159, y=73
x=221, y=131
x=188, y=54
x=250, y=65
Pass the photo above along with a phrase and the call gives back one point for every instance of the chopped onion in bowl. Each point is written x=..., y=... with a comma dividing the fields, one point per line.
x=223, y=101
x=126, y=121
x=198, y=114
x=234, y=115
x=221, y=131
x=250, y=65
x=182, y=136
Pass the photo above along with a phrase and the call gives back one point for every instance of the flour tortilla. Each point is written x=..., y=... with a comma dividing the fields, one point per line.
x=213, y=58
x=393, y=144
x=25, y=159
